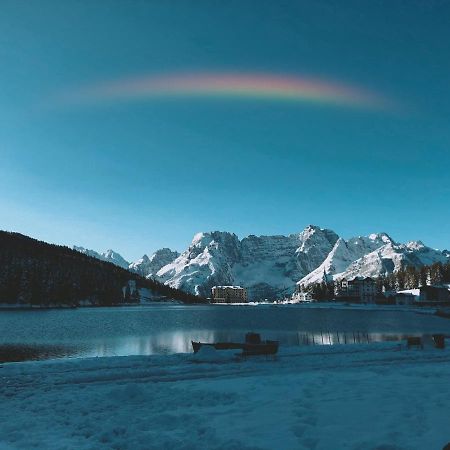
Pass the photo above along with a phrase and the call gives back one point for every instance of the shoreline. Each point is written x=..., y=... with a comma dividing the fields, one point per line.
x=312, y=305
x=6, y=307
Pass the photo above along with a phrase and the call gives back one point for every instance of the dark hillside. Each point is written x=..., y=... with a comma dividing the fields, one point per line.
x=34, y=272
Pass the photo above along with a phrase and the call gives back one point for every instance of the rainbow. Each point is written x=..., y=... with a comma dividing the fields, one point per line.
x=259, y=86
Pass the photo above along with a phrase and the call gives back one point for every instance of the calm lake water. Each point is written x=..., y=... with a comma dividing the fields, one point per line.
x=165, y=329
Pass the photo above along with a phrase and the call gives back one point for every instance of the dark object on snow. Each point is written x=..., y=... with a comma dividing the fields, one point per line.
x=439, y=341
x=253, y=345
x=414, y=341
x=445, y=313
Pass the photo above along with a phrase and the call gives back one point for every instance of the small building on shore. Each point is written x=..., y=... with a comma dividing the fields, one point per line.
x=404, y=298
x=357, y=289
x=434, y=294
x=229, y=294
x=301, y=296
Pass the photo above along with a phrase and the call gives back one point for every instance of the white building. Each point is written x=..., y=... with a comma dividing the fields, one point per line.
x=301, y=297
x=229, y=294
x=357, y=289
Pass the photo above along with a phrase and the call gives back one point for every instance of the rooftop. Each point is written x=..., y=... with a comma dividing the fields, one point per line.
x=228, y=287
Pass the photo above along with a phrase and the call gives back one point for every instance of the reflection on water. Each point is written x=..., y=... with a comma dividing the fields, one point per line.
x=160, y=343
x=176, y=342
x=355, y=337
x=15, y=353
x=32, y=335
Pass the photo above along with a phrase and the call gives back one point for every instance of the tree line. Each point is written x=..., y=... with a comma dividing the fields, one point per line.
x=411, y=277
x=408, y=277
x=33, y=272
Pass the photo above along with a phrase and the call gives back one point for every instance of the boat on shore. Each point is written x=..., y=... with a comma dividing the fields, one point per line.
x=445, y=313
x=253, y=345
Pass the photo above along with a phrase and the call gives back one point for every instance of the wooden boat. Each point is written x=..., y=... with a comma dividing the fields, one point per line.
x=253, y=345
x=445, y=313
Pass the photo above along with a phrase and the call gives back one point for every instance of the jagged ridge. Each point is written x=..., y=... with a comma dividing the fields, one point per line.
x=272, y=266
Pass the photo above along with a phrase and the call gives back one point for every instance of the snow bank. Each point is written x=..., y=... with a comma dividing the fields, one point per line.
x=377, y=396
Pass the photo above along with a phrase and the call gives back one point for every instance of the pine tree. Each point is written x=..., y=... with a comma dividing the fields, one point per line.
x=436, y=274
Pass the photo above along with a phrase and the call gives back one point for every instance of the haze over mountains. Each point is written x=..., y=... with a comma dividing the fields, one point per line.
x=271, y=266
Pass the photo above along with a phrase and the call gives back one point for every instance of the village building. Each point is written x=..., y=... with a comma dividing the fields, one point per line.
x=434, y=294
x=404, y=298
x=301, y=296
x=229, y=294
x=423, y=296
x=358, y=289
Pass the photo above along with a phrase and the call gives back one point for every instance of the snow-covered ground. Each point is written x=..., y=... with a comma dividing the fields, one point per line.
x=378, y=396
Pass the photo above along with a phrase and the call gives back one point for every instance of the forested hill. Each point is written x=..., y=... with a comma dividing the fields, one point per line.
x=37, y=273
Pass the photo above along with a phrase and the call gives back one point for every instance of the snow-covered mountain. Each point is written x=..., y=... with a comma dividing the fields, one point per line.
x=271, y=266
x=149, y=266
x=390, y=258
x=108, y=256
x=206, y=262
x=267, y=265
x=343, y=254
x=372, y=256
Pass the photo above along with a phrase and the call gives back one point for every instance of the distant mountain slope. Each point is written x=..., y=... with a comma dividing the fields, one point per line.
x=108, y=256
x=270, y=266
x=343, y=254
x=34, y=272
x=149, y=266
x=385, y=258
x=206, y=262
x=267, y=265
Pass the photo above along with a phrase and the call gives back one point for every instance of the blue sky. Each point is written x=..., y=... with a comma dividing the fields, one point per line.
x=139, y=175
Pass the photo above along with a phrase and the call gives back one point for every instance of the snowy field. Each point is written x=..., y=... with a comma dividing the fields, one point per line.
x=378, y=396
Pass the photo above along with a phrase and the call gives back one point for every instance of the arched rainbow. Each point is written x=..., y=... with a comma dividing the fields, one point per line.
x=263, y=87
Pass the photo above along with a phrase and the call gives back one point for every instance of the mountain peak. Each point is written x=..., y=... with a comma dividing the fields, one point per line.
x=383, y=237
x=149, y=266
x=205, y=237
x=312, y=229
x=415, y=245
x=144, y=259
x=117, y=259
x=108, y=256
x=313, y=236
x=164, y=252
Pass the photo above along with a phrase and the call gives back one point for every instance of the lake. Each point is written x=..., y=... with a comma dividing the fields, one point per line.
x=166, y=329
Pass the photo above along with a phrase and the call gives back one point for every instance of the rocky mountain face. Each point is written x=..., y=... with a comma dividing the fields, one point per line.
x=149, y=266
x=108, y=256
x=271, y=266
x=372, y=256
x=267, y=265
x=343, y=254
x=207, y=261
